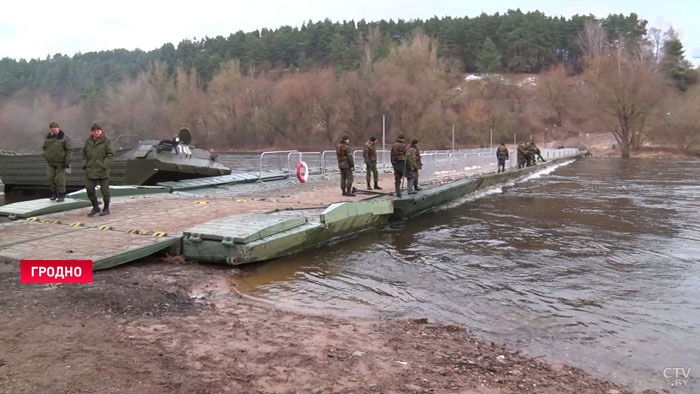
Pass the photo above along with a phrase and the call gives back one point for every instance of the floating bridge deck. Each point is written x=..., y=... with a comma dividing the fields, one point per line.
x=235, y=227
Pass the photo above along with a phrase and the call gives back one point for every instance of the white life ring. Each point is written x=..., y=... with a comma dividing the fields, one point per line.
x=302, y=177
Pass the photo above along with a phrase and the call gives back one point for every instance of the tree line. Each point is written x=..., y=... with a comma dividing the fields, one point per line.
x=305, y=87
x=525, y=42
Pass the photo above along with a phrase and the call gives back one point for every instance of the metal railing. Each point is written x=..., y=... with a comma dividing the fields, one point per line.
x=279, y=155
x=313, y=161
x=436, y=163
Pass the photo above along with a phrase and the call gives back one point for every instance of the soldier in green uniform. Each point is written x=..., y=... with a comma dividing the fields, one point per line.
x=416, y=164
x=502, y=156
x=97, y=162
x=522, y=155
x=370, y=155
x=346, y=164
x=398, y=161
x=536, y=153
x=57, y=152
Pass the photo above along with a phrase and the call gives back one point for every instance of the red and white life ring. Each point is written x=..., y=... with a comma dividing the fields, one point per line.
x=305, y=175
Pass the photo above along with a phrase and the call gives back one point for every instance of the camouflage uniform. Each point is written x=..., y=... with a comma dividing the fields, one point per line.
x=522, y=155
x=346, y=164
x=502, y=156
x=57, y=152
x=416, y=164
x=97, y=162
x=370, y=155
x=531, y=150
x=536, y=153
x=411, y=170
x=398, y=161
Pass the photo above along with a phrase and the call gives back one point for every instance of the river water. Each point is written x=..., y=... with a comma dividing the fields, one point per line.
x=596, y=264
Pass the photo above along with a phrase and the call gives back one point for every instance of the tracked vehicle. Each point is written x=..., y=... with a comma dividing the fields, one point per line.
x=146, y=163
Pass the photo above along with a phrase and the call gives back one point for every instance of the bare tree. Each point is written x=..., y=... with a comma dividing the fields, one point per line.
x=189, y=106
x=409, y=81
x=592, y=39
x=679, y=123
x=624, y=94
x=330, y=105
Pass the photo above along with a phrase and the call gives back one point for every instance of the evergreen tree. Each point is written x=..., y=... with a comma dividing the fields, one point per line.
x=675, y=66
x=489, y=59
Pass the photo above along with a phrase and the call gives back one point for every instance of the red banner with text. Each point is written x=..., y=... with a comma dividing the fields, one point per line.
x=56, y=271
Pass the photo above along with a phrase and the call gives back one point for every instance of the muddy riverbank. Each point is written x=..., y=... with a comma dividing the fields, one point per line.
x=163, y=327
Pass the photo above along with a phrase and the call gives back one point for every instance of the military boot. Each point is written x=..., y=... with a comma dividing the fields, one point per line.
x=95, y=208
x=53, y=195
x=61, y=196
x=350, y=192
x=105, y=210
x=369, y=187
x=376, y=186
x=397, y=186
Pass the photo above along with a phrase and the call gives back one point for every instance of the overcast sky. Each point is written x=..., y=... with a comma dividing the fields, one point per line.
x=35, y=29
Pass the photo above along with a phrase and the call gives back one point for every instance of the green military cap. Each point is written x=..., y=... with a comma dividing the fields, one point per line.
x=95, y=126
x=53, y=124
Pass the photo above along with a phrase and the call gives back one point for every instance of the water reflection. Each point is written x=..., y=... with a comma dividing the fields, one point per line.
x=595, y=264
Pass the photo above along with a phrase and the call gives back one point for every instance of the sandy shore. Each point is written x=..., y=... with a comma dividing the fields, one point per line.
x=157, y=327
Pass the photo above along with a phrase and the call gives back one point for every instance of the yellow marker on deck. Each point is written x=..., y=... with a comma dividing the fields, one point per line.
x=33, y=219
x=201, y=202
x=105, y=227
x=242, y=200
x=76, y=224
x=159, y=234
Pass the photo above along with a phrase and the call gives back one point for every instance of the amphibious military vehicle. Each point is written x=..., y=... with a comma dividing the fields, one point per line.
x=146, y=163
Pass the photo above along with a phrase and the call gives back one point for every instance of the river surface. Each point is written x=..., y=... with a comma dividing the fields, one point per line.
x=596, y=264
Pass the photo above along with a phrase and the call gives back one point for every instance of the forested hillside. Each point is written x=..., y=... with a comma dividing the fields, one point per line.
x=525, y=42
x=305, y=86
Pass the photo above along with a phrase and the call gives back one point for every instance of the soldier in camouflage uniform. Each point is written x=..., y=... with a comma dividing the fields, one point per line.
x=97, y=162
x=57, y=152
x=398, y=161
x=535, y=153
x=502, y=156
x=522, y=155
x=370, y=155
x=416, y=164
x=346, y=164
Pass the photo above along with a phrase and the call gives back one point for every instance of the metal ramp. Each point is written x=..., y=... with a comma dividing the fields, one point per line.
x=38, y=207
x=48, y=240
x=235, y=178
x=244, y=228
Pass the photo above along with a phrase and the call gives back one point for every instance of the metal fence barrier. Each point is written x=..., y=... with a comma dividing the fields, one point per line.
x=275, y=161
x=436, y=163
x=312, y=159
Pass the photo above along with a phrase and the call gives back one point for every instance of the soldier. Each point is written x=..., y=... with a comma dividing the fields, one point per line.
x=416, y=164
x=57, y=152
x=531, y=151
x=398, y=161
x=502, y=156
x=536, y=153
x=370, y=155
x=346, y=164
x=522, y=155
x=97, y=161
